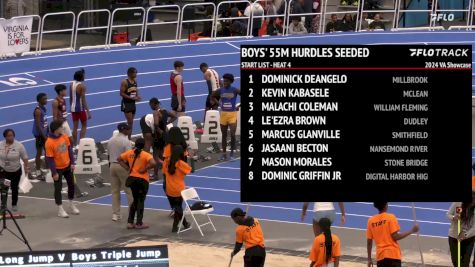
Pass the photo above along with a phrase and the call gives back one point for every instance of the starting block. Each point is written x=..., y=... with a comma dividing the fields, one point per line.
x=238, y=128
x=212, y=130
x=87, y=162
x=185, y=123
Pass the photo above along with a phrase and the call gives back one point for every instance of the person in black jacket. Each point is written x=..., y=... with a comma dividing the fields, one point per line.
x=333, y=24
x=377, y=23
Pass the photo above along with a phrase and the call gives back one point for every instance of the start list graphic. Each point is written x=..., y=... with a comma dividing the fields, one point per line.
x=355, y=123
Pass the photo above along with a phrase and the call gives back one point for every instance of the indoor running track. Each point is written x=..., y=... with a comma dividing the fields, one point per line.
x=220, y=185
x=106, y=68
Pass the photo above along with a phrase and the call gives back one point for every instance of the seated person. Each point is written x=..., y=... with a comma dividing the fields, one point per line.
x=347, y=24
x=297, y=27
x=377, y=23
x=333, y=24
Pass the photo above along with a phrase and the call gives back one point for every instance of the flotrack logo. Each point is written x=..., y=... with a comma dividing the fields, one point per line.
x=438, y=52
x=442, y=17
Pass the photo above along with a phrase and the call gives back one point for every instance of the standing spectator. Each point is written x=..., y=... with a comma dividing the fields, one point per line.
x=59, y=154
x=326, y=247
x=40, y=132
x=11, y=154
x=175, y=171
x=324, y=210
x=467, y=231
x=257, y=11
x=333, y=25
x=317, y=8
x=138, y=162
x=16, y=8
x=249, y=232
x=116, y=146
x=377, y=24
x=384, y=229
x=296, y=27
x=79, y=107
x=178, y=90
x=227, y=96
x=298, y=8
x=130, y=94
x=174, y=137
x=307, y=8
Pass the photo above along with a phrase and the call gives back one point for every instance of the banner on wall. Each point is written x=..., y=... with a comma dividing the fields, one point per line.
x=15, y=35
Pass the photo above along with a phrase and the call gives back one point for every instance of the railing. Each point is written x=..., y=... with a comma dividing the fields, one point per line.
x=218, y=19
x=212, y=20
x=321, y=14
x=112, y=26
x=92, y=28
x=180, y=20
x=143, y=40
x=72, y=29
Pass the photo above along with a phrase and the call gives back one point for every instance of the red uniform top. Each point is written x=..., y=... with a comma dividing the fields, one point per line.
x=173, y=84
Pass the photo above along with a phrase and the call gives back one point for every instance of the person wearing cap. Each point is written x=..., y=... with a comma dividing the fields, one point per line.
x=249, y=232
x=116, y=146
x=137, y=162
x=227, y=96
x=79, y=108
x=130, y=94
x=60, y=158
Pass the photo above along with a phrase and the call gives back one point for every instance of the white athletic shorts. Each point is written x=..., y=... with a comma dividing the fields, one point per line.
x=67, y=129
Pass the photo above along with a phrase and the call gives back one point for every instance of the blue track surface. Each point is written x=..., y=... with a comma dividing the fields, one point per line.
x=106, y=68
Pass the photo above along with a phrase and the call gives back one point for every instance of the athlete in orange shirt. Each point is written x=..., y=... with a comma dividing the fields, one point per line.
x=59, y=155
x=138, y=162
x=326, y=247
x=249, y=231
x=384, y=229
x=175, y=171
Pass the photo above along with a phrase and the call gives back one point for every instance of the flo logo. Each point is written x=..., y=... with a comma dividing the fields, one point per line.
x=442, y=17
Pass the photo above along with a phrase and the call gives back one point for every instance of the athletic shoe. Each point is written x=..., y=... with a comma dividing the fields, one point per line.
x=232, y=157
x=61, y=212
x=223, y=158
x=116, y=217
x=14, y=208
x=130, y=226
x=74, y=209
x=141, y=226
x=172, y=214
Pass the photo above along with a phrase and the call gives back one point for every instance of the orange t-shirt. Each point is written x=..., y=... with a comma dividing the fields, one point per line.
x=140, y=163
x=176, y=182
x=167, y=152
x=473, y=183
x=318, y=253
x=380, y=228
x=250, y=235
x=58, y=148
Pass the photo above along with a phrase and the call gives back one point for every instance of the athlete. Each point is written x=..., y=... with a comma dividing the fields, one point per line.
x=59, y=110
x=40, y=132
x=228, y=117
x=249, y=232
x=324, y=210
x=214, y=83
x=154, y=130
x=326, y=247
x=384, y=229
x=130, y=94
x=79, y=108
x=178, y=90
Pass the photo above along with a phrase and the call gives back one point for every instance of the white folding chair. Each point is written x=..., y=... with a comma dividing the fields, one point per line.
x=191, y=194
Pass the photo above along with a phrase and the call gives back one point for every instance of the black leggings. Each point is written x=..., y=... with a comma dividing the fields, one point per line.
x=58, y=185
x=466, y=249
x=139, y=189
x=224, y=132
x=255, y=257
x=14, y=177
x=389, y=263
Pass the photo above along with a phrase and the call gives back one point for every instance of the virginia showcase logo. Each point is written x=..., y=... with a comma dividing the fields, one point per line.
x=442, y=17
x=17, y=34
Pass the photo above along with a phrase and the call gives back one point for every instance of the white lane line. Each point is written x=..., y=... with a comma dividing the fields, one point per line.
x=224, y=167
x=48, y=82
x=113, y=76
x=120, y=62
x=233, y=46
x=330, y=36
